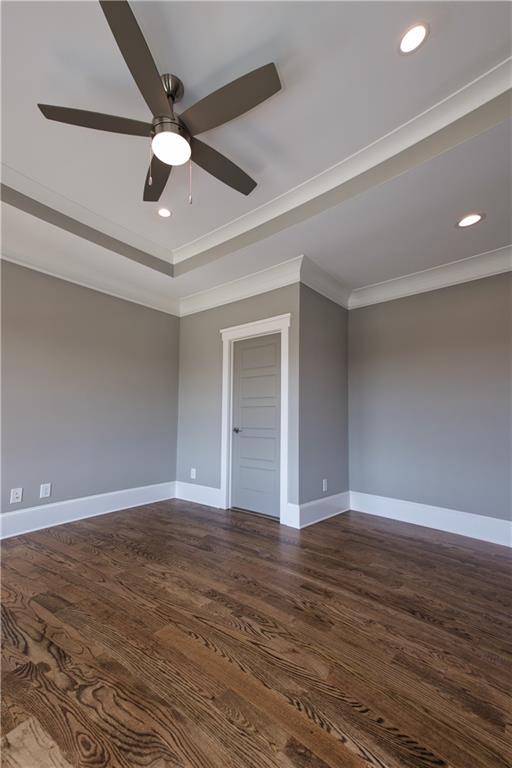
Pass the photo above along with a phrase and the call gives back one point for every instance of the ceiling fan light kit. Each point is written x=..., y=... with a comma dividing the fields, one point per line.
x=170, y=142
x=173, y=137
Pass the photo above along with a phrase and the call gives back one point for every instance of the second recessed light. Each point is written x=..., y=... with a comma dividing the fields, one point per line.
x=413, y=38
x=470, y=219
x=164, y=213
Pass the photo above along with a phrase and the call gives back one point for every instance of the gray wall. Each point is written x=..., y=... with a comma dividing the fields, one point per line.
x=430, y=398
x=90, y=387
x=323, y=396
x=200, y=390
x=90, y=393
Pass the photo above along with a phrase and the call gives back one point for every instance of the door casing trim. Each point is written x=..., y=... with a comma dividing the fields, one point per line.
x=279, y=324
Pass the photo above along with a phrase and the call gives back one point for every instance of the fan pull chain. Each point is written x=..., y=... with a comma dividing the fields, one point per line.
x=150, y=178
x=190, y=182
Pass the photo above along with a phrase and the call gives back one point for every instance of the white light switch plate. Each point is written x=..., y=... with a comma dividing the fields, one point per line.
x=324, y=485
x=192, y=473
x=45, y=490
x=16, y=495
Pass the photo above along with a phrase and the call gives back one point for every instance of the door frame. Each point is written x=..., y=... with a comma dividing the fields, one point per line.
x=271, y=325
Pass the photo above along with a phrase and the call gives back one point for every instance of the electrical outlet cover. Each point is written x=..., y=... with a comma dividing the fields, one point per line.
x=16, y=495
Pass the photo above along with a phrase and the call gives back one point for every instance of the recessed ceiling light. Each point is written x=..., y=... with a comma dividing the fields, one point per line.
x=164, y=213
x=413, y=38
x=470, y=218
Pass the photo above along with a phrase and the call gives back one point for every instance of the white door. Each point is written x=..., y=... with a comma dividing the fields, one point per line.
x=256, y=424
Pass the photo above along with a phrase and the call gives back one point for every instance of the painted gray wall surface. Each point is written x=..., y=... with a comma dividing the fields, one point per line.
x=430, y=398
x=200, y=389
x=323, y=396
x=90, y=388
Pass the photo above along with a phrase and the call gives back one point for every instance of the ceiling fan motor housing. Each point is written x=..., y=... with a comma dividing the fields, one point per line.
x=172, y=124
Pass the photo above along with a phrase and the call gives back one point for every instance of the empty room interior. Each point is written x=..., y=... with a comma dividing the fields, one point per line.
x=256, y=325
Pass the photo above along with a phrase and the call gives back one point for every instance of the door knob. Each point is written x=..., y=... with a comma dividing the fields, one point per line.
x=236, y=430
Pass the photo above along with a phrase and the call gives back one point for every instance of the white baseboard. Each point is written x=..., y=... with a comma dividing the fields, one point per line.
x=492, y=529
x=302, y=515
x=291, y=516
x=200, y=494
x=321, y=509
x=16, y=522
x=449, y=520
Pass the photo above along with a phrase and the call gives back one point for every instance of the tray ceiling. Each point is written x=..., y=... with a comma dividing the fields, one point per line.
x=344, y=87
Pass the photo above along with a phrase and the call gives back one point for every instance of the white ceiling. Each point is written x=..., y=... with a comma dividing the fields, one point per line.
x=398, y=228
x=344, y=86
x=407, y=224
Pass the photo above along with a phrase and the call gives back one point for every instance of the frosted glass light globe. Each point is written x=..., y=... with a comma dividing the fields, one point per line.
x=171, y=148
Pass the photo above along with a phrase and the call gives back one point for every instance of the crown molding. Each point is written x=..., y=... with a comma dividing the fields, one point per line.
x=462, y=271
x=297, y=270
x=286, y=273
x=117, y=289
x=474, y=108
x=56, y=218
x=43, y=196
x=322, y=282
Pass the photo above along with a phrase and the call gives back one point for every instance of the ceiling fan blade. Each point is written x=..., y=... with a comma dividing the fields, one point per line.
x=160, y=172
x=96, y=120
x=232, y=100
x=137, y=55
x=220, y=167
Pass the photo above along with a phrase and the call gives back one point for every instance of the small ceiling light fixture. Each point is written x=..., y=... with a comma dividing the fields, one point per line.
x=164, y=213
x=169, y=143
x=470, y=218
x=413, y=38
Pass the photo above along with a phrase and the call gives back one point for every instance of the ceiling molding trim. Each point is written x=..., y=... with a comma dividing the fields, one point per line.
x=126, y=293
x=473, y=268
x=322, y=282
x=278, y=276
x=299, y=269
x=51, y=216
x=477, y=106
x=65, y=205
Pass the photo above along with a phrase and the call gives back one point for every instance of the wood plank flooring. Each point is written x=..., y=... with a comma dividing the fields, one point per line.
x=175, y=636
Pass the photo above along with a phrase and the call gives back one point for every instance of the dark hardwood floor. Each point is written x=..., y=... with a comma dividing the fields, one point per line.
x=173, y=635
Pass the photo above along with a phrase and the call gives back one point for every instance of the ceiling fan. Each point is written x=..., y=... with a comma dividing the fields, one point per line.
x=173, y=137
